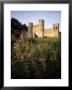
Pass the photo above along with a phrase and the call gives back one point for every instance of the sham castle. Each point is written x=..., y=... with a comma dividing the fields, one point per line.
x=39, y=31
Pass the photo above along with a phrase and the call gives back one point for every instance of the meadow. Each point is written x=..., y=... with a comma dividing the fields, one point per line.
x=39, y=58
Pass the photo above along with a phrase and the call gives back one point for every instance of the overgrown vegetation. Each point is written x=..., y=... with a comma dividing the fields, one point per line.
x=16, y=28
x=36, y=59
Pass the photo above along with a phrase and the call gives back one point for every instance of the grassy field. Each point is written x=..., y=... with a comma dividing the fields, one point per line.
x=39, y=58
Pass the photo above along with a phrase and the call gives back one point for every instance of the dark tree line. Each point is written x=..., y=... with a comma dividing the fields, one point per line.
x=16, y=28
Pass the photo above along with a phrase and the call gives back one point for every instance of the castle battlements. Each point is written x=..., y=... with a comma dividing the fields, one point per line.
x=38, y=30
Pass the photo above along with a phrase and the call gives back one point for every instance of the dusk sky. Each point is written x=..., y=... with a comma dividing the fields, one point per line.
x=50, y=17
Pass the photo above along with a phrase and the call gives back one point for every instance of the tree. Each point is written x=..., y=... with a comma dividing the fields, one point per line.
x=24, y=27
x=15, y=27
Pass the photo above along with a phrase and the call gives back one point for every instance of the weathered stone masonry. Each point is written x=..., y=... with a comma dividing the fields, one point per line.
x=39, y=30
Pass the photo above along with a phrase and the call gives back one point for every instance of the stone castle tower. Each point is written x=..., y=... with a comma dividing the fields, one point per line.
x=41, y=27
x=30, y=30
x=56, y=27
x=39, y=30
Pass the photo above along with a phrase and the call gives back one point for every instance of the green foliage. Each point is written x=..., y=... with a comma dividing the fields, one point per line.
x=41, y=59
x=22, y=47
x=16, y=28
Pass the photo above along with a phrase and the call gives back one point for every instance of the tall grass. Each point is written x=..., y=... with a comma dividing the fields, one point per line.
x=36, y=59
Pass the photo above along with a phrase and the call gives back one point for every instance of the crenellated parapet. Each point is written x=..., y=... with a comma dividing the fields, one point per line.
x=39, y=30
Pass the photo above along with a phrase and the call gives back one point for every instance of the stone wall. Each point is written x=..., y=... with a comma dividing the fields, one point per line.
x=40, y=31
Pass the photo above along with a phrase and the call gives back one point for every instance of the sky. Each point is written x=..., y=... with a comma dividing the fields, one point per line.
x=50, y=17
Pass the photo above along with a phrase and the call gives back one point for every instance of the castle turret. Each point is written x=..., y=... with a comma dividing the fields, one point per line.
x=30, y=30
x=56, y=27
x=56, y=30
x=41, y=27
